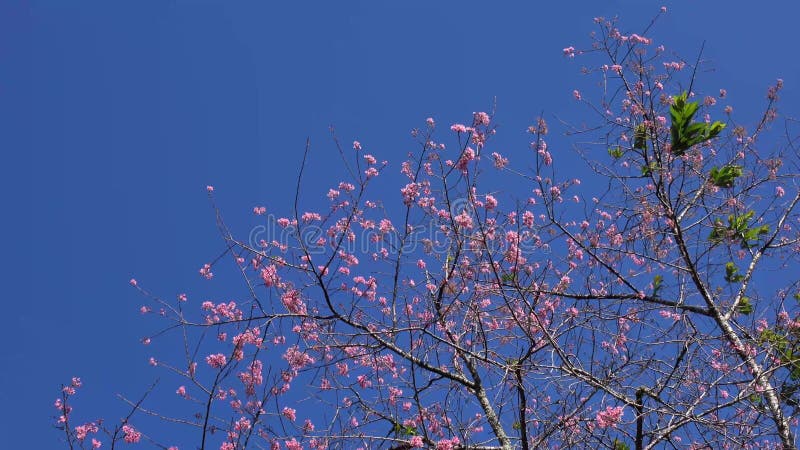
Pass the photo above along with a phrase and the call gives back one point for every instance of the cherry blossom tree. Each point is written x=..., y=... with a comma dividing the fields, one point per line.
x=652, y=304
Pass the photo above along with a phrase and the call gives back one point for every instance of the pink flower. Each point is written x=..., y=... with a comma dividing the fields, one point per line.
x=463, y=220
x=610, y=417
x=480, y=118
x=467, y=156
x=293, y=445
x=216, y=361
x=447, y=444
x=347, y=187
x=636, y=39
x=499, y=161
x=569, y=51
x=458, y=128
x=779, y=192
x=409, y=193
x=205, y=271
x=310, y=216
x=385, y=226
x=97, y=444
x=181, y=391
x=210, y=188
x=293, y=302
x=356, y=145
x=333, y=194
x=416, y=442
x=577, y=94
x=297, y=360
x=270, y=275
x=674, y=65
x=131, y=435
x=134, y=282
x=82, y=430
x=491, y=202
x=363, y=381
x=289, y=413
x=430, y=122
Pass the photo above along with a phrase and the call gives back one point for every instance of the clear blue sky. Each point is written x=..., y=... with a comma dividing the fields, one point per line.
x=115, y=115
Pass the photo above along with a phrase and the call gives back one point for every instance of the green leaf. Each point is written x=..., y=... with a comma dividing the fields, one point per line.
x=744, y=306
x=725, y=176
x=402, y=430
x=615, y=152
x=649, y=169
x=619, y=445
x=753, y=234
x=657, y=280
x=716, y=128
x=683, y=132
x=738, y=228
x=640, y=137
x=731, y=275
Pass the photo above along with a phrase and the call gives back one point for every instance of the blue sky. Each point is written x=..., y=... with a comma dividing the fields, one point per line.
x=114, y=116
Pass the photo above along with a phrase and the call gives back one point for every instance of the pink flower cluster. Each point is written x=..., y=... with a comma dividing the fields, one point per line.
x=289, y=413
x=448, y=444
x=217, y=360
x=293, y=303
x=297, y=360
x=205, y=271
x=131, y=436
x=609, y=417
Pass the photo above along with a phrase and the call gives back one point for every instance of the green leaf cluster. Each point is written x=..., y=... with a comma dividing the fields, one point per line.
x=731, y=273
x=787, y=350
x=615, y=152
x=725, y=176
x=650, y=168
x=744, y=306
x=401, y=430
x=619, y=445
x=738, y=228
x=684, y=132
x=657, y=281
x=640, y=137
